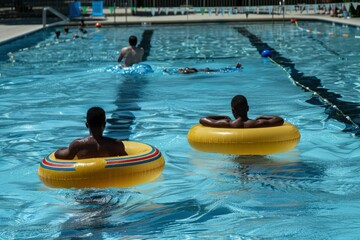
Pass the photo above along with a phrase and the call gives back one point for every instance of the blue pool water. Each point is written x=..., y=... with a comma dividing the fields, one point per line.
x=309, y=192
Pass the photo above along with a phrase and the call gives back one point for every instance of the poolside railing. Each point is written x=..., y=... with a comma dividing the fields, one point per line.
x=63, y=18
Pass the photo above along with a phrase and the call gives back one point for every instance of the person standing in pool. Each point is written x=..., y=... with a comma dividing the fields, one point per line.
x=131, y=54
x=95, y=145
x=240, y=109
x=57, y=34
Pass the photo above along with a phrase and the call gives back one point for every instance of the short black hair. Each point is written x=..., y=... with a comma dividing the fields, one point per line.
x=95, y=117
x=132, y=40
x=239, y=101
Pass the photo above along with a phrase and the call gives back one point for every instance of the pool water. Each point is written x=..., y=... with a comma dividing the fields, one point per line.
x=309, y=192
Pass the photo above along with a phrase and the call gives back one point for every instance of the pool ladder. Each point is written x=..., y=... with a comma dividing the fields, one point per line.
x=55, y=12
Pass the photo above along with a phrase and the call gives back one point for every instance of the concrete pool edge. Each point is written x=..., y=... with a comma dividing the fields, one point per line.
x=11, y=32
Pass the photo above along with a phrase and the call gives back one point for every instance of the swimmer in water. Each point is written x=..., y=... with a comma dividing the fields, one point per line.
x=188, y=70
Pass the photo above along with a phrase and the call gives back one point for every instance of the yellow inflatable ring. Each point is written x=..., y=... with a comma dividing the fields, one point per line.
x=244, y=141
x=143, y=163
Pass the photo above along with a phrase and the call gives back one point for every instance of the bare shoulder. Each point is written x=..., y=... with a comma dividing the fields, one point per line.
x=83, y=141
x=237, y=123
x=114, y=141
x=79, y=141
x=125, y=49
x=119, y=146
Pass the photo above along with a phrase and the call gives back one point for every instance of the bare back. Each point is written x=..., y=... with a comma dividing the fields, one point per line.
x=104, y=147
x=90, y=147
x=131, y=55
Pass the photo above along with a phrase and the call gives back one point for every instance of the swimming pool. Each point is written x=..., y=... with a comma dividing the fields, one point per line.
x=310, y=192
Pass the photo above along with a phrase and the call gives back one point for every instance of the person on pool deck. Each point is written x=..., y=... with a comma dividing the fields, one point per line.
x=95, y=145
x=194, y=70
x=240, y=109
x=131, y=54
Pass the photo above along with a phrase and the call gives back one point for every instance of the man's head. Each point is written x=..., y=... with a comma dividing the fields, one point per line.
x=95, y=118
x=239, y=106
x=132, y=41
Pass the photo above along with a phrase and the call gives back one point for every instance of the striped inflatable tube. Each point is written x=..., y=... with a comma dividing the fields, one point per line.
x=143, y=163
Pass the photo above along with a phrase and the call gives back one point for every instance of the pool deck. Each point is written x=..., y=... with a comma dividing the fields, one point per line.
x=11, y=31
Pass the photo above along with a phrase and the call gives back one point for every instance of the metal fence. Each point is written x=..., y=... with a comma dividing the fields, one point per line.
x=224, y=3
x=33, y=8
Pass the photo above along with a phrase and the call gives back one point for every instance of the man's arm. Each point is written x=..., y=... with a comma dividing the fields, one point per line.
x=216, y=117
x=216, y=121
x=264, y=121
x=226, y=122
x=121, y=55
x=68, y=153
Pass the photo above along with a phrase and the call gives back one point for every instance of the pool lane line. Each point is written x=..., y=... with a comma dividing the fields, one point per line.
x=11, y=55
x=311, y=36
x=319, y=96
x=342, y=111
x=324, y=46
x=332, y=34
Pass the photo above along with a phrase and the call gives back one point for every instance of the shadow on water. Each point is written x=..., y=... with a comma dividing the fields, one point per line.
x=145, y=43
x=288, y=172
x=100, y=214
x=91, y=214
x=113, y=213
x=129, y=93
